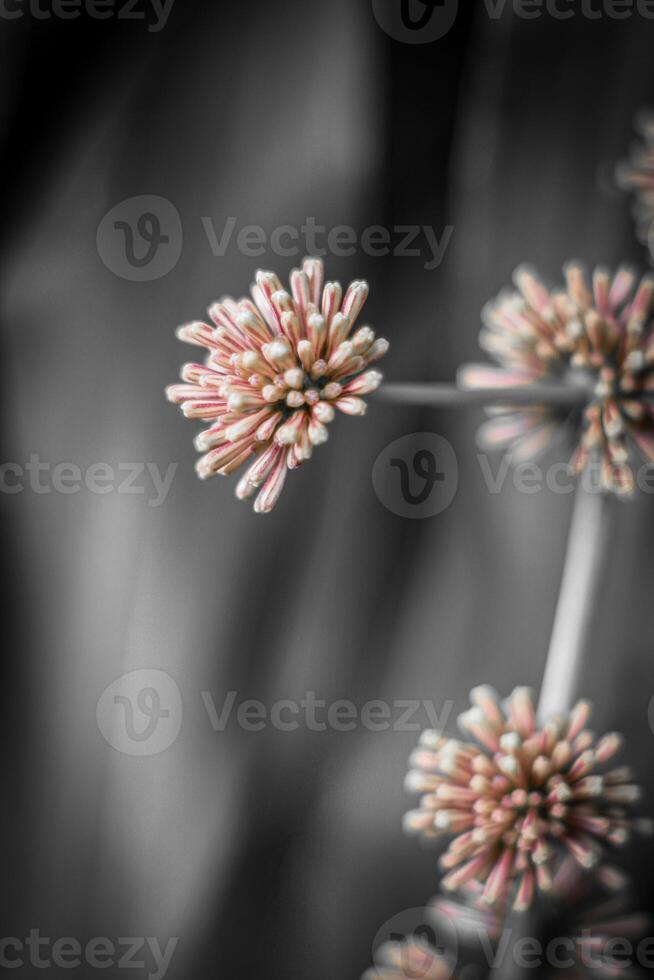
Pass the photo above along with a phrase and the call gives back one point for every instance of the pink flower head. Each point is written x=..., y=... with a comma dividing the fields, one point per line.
x=599, y=339
x=637, y=175
x=520, y=797
x=412, y=959
x=582, y=918
x=276, y=370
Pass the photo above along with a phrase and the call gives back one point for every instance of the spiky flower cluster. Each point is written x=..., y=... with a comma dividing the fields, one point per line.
x=600, y=339
x=583, y=922
x=637, y=175
x=579, y=924
x=277, y=369
x=412, y=959
x=520, y=799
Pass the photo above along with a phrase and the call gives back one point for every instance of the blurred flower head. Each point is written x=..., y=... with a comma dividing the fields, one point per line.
x=277, y=368
x=598, y=338
x=410, y=959
x=520, y=797
x=637, y=175
x=576, y=925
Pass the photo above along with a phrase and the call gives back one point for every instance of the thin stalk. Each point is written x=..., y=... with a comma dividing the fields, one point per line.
x=449, y=395
x=582, y=574
x=577, y=603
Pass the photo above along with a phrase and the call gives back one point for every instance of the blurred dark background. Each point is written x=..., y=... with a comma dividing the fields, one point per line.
x=272, y=853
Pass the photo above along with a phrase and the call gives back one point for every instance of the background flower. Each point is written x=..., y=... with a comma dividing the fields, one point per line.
x=637, y=175
x=598, y=338
x=521, y=798
x=587, y=925
x=411, y=959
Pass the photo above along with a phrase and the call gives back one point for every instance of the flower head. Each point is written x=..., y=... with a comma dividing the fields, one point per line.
x=276, y=370
x=637, y=174
x=412, y=959
x=599, y=339
x=521, y=798
x=576, y=925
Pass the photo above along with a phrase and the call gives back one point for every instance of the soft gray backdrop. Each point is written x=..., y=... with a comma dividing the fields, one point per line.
x=279, y=854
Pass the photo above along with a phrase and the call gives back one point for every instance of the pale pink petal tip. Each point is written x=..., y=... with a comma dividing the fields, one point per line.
x=595, y=334
x=518, y=798
x=277, y=367
x=409, y=959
